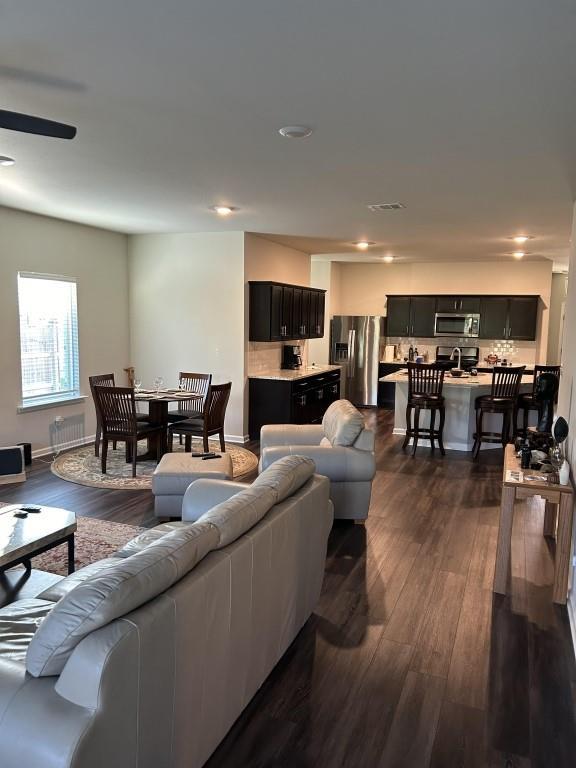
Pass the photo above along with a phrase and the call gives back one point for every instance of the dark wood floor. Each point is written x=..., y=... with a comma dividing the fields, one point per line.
x=409, y=660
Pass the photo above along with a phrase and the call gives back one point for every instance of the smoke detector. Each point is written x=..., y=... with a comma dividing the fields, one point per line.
x=381, y=207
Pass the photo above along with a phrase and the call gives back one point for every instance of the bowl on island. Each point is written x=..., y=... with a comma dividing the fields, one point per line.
x=457, y=372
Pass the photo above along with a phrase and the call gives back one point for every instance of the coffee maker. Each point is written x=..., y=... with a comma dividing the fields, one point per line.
x=291, y=356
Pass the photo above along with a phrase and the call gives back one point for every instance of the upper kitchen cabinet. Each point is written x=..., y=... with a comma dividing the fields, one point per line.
x=465, y=304
x=422, y=312
x=279, y=312
x=522, y=318
x=398, y=319
x=493, y=317
x=509, y=317
x=411, y=316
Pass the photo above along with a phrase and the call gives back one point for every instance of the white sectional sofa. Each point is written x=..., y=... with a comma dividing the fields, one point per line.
x=147, y=658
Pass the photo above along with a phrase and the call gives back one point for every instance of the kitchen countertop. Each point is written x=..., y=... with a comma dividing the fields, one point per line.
x=471, y=382
x=284, y=374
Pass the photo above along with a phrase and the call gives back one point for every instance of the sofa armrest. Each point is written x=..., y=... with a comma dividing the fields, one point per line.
x=290, y=434
x=203, y=494
x=338, y=463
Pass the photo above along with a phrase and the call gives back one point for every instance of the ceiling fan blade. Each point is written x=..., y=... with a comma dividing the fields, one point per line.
x=15, y=121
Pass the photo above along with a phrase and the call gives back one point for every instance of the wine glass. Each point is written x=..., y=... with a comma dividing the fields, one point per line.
x=137, y=385
x=158, y=381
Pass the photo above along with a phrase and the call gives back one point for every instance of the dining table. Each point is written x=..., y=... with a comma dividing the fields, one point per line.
x=158, y=407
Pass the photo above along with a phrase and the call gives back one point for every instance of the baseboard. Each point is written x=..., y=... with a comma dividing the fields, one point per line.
x=50, y=450
x=236, y=438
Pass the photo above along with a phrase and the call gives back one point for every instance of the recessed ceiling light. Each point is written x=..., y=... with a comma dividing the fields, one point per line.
x=363, y=245
x=223, y=210
x=388, y=258
x=6, y=161
x=518, y=254
x=295, y=131
x=521, y=239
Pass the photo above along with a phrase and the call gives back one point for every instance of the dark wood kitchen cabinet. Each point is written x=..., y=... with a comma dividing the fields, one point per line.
x=411, y=316
x=281, y=312
x=398, y=320
x=509, y=317
x=493, y=317
x=300, y=401
x=464, y=304
x=522, y=318
x=422, y=316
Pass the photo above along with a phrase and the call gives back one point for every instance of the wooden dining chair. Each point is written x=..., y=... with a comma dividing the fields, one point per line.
x=199, y=384
x=119, y=422
x=104, y=380
x=210, y=423
x=502, y=399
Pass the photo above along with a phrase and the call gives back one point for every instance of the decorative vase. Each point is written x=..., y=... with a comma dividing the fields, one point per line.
x=564, y=473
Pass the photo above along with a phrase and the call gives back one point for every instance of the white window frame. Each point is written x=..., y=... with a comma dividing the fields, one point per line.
x=51, y=399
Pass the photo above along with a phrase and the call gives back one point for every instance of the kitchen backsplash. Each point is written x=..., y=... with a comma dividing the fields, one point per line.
x=514, y=351
x=266, y=356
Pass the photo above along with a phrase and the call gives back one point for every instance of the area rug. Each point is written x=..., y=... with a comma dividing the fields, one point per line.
x=80, y=466
x=94, y=540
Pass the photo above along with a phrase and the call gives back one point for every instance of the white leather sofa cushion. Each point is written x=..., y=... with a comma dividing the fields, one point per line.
x=342, y=423
x=19, y=622
x=238, y=514
x=144, y=539
x=57, y=591
x=123, y=587
x=286, y=475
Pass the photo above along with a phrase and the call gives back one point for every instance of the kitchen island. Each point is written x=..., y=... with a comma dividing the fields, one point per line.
x=459, y=395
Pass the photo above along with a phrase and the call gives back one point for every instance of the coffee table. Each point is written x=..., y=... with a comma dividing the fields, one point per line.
x=22, y=538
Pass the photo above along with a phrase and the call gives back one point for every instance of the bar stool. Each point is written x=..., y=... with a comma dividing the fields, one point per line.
x=527, y=401
x=425, y=382
x=502, y=399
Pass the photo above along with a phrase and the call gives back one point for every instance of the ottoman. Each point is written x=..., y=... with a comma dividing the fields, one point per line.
x=174, y=474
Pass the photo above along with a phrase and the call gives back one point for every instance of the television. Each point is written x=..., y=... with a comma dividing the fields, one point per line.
x=12, y=465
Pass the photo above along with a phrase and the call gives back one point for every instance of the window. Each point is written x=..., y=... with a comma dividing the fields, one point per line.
x=48, y=338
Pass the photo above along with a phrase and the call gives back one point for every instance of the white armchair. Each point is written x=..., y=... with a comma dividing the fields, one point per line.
x=342, y=449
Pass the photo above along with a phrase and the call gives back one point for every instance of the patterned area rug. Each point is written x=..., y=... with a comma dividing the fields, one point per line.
x=79, y=465
x=94, y=540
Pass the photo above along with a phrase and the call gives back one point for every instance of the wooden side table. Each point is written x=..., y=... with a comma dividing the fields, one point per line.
x=559, y=503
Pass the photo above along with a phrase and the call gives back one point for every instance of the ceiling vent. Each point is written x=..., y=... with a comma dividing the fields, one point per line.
x=381, y=207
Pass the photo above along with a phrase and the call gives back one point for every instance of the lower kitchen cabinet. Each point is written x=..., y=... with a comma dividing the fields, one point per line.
x=300, y=401
x=387, y=389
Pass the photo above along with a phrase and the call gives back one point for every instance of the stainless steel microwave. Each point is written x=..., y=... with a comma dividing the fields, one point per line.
x=454, y=324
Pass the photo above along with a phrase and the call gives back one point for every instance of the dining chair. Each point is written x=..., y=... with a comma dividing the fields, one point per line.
x=199, y=384
x=502, y=399
x=119, y=422
x=527, y=401
x=210, y=423
x=425, y=383
x=104, y=380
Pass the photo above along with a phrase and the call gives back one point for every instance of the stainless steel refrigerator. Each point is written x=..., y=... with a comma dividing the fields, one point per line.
x=355, y=345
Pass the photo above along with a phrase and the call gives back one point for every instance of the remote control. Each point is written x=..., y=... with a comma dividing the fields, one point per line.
x=214, y=456
x=30, y=508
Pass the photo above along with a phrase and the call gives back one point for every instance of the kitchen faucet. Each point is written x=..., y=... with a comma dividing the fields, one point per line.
x=459, y=351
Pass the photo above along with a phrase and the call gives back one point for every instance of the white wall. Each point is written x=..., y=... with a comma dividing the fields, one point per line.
x=364, y=286
x=187, y=311
x=566, y=397
x=557, y=301
x=98, y=259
